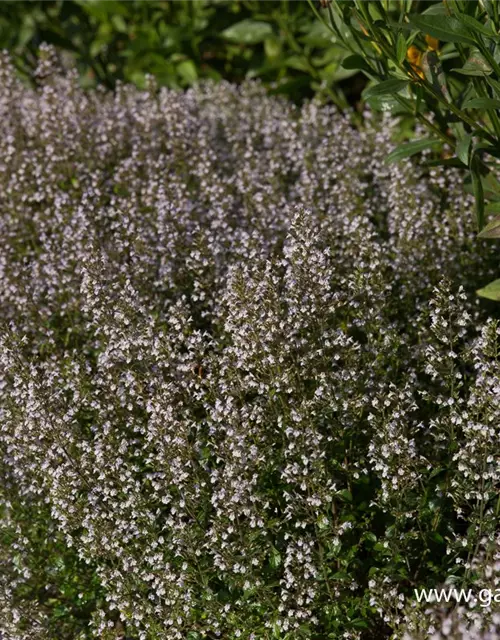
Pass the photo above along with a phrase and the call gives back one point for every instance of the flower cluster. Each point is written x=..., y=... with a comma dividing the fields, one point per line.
x=239, y=397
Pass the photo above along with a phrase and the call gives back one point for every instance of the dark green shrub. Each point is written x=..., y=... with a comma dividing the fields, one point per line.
x=181, y=42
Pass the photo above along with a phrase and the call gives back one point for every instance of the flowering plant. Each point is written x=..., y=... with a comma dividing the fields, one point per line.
x=239, y=395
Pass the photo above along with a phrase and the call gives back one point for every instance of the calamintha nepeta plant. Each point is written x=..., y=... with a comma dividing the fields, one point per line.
x=240, y=396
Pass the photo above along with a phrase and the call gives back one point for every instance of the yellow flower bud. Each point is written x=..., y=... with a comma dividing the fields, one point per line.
x=432, y=43
x=414, y=56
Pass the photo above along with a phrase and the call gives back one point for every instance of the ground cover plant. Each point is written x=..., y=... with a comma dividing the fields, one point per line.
x=246, y=388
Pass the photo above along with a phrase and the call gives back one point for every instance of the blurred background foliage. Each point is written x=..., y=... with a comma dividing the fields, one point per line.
x=282, y=42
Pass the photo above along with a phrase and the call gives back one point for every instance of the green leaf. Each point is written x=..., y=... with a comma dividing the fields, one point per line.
x=443, y=28
x=436, y=537
x=436, y=9
x=476, y=65
x=187, y=71
x=492, y=207
x=298, y=62
x=346, y=495
x=26, y=32
x=436, y=472
x=491, y=187
x=482, y=103
x=319, y=35
x=491, y=230
x=490, y=291
x=495, y=85
x=359, y=623
x=248, y=32
x=119, y=23
x=409, y=149
x=340, y=575
x=370, y=536
x=475, y=25
x=380, y=546
x=356, y=62
x=272, y=48
x=401, y=48
x=387, y=87
x=463, y=149
x=275, y=559
x=334, y=73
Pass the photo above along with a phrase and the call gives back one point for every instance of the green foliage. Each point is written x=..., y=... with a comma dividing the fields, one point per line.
x=440, y=67
x=182, y=42
x=491, y=291
x=43, y=572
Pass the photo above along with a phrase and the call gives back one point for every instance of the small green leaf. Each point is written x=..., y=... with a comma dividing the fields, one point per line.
x=319, y=35
x=275, y=559
x=387, y=87
x=410, y=149
x=346, y=495
x=356, y=62
x=443, y=28
x=298, y=62
x=436, y=472
x=187, y=71
x=491, y=186
x=491, y=230
x=492, y=207
x=476, y=65
x=119, y=23
x=272, y=48
x=490, y=291
x=495, y=85
x=340, y=576
x=482, y=103
x=436, y=537
x=401, y=48
x=248, y=32
x=463, y=149
x=359, y=623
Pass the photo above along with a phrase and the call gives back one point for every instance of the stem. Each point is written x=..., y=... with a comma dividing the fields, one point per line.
x=458, y=112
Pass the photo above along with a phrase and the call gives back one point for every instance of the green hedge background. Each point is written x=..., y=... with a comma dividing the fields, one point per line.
x=281, y=42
